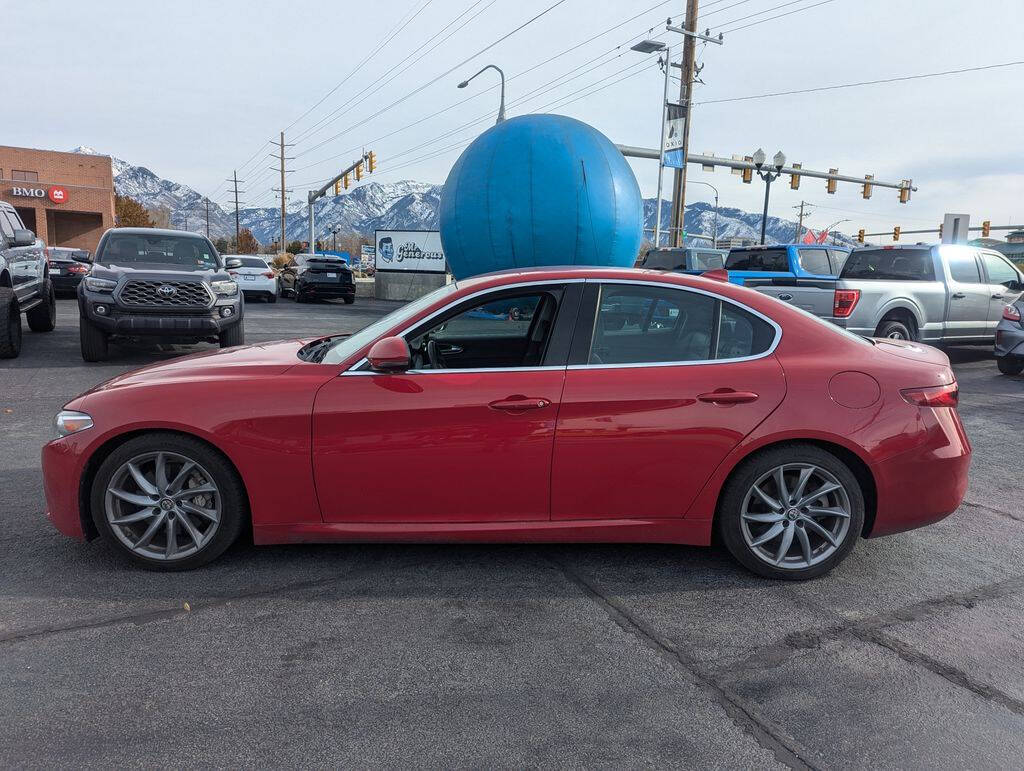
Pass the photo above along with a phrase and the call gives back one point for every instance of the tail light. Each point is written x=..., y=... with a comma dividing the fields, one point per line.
x=52, y=264
x=844, y=303
x=77, y=268
x=1010, y=313
x=232, y=272
x=934, y=396
x=269, y=274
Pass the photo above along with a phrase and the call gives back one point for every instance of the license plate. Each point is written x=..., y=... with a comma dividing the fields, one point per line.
x=249, y=278
x=332, y=275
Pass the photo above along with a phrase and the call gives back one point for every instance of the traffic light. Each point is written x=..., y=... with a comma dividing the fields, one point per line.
x=344, y=181
x=940, y=231
x=794, y=179
x=905, y=191
x=986, y=228
x=866, y=191
x=748, y=174
x=372, y=162
x=860, y=235
x=896, y=233
x=359, y=171
x=337, y=187
x=830, y=185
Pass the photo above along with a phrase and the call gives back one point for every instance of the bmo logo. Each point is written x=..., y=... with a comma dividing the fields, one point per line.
x=58, y=194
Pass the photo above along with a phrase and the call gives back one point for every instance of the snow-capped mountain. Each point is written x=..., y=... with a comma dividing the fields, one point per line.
x=404, y=205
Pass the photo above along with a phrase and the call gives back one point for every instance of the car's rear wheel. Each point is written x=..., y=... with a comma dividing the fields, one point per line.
x=233, y=335
x=348, y=300
x=168, y=502
x=1010, y=365
x=93, y=341
x=10, y=324
x=272, y=296
x=894, y=330
x=793, y=512
x=43, y=318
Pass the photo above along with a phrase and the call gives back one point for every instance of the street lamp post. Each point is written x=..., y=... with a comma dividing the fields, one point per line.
x=714, y=226
x=777, y=162
x=649, y=47
x=501, y=107
x=829, y=229
x=334, y=239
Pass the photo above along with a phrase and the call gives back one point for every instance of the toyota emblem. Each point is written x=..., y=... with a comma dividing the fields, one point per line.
x=167, y=290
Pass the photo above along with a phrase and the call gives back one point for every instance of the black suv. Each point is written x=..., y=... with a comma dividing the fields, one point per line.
x=318, y=277
x=24, y=283
x=166, y=284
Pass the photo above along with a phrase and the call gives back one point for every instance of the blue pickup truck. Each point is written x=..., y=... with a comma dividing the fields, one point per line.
x=801, y=274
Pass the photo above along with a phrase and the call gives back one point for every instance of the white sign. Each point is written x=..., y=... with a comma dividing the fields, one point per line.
x=366, y=253
x=29, y=192
x=675, y=125
x=954, y=228
x=409, y=250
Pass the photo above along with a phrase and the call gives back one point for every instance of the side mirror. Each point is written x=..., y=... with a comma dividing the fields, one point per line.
x=1015, y=286
x=24, y=237
x=391, y=354
x=232, y=264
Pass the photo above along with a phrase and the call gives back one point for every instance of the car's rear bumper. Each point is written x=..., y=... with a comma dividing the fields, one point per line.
x=926, y=484
x=260, y=285
x=1009, y=339
x=66, y=283
x=327, y=290
x=62, y=471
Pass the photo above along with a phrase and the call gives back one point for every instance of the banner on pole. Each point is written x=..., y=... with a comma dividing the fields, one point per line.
x=675, y=125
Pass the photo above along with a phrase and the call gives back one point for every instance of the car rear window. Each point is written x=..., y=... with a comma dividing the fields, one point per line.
x=890, y=265
x=665, y=259
x=815, y=261
x=758, y=259
x=250, y=262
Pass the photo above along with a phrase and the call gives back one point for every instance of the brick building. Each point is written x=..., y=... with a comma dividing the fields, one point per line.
x=67, y=199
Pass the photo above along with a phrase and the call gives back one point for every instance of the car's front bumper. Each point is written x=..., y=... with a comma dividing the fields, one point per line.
x=62, y=472
x=118, y=320
x=1009, y=339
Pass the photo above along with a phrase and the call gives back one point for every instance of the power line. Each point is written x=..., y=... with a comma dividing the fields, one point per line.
x=772, y=18
x=863, y=83
x=758, y=13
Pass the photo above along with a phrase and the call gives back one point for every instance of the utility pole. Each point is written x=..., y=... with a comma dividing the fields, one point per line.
x=800, y=222
x=283, y=216
x=207, y=217
x=685, y=84
x=234, y=178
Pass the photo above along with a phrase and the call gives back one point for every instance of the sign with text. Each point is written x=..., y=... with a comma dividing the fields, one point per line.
x=366, y=253
x=675, y=125
x=409, y=250
x=57, y=194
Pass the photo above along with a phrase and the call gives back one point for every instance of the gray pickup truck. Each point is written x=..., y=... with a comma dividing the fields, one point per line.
x=948, y=293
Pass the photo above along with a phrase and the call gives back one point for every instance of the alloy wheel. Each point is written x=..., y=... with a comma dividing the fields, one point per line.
x=796, y=515
x=163, y=505
x=896, y=335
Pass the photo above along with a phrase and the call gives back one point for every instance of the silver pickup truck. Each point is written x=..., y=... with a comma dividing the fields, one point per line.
x=935, y=294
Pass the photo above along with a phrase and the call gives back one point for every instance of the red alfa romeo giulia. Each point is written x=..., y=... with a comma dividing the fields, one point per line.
x=555, y=404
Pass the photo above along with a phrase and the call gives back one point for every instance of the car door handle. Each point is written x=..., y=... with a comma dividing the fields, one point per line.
x=958, y=295
x=450, y=349
x=997, y=297
x=727, y=396
x=518, y=403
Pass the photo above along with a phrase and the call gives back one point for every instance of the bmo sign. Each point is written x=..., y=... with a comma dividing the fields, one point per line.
x=56, y=193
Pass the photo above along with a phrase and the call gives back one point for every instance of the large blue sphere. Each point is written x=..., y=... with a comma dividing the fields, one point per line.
x=540, y=190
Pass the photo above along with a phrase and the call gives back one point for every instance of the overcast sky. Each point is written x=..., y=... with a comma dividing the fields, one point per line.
x=193, y=89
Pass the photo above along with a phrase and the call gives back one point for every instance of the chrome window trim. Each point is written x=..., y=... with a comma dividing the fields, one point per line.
x=354, y=369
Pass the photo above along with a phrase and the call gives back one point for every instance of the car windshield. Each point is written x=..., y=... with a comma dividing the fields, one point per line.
x=344, y=347
x=159, y=249
x=890, y=265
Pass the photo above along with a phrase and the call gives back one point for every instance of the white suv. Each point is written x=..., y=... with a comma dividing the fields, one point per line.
x=255, y=277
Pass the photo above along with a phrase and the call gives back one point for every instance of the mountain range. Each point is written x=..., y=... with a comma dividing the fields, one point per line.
x=404, y=205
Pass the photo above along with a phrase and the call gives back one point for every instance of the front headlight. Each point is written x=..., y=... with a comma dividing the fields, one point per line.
x=99, y=284
x=227, y=287
x=70, y=422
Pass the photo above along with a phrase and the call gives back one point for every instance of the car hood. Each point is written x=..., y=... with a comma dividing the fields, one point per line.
x=156, y=270
x=246, y=361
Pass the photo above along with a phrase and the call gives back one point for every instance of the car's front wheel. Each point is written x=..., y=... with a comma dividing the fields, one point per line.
x=793, y=512
x=233, y=335
x=92, y=341
x=1010, y=365
x=168, y=502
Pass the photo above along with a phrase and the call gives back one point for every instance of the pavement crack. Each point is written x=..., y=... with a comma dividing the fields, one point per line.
x=993, y=510
x=956, y=676
x=769, y=735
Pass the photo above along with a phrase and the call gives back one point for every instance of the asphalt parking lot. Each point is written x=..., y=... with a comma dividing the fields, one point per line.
x=908, y=656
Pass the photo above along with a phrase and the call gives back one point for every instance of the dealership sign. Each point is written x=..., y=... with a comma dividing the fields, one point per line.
x=57, y=194
x=409, y=250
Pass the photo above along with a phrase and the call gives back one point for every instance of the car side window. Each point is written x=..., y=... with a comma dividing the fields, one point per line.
x=963, y=268
x=742, y=334
x=5, y=226
x=638, y=324
x=511, y=330
x=999, y=270
x=838, y=259
x=815, y=261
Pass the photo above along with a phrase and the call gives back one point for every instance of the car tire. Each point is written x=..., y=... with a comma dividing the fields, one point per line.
x=349, y=300
x=228, y=502
x=233, y=335
x=93, y=341
x=299, y=297
x=745, y=518
x=1010, y=365
x=10, y=324
x=272, y=297
x=43, y=317
x=893, y=330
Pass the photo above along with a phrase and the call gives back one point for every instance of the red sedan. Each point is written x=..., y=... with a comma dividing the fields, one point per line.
x=611, y=405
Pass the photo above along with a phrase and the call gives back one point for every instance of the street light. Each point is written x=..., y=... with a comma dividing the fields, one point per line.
x=777, y=162
x=334, y=237
x=649, y=47
x=501, y=108
x=714, y=227
x=829, y=229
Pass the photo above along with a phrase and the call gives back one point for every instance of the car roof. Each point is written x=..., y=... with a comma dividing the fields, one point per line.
x=154, y=231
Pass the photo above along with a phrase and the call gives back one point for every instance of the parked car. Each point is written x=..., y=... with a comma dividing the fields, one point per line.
x=692, y=260
x=742, y=415
x=318, y=277
x=25, y=285
x=158, y=284
x=800, y=274
x=67, y=268
x=255, y=277
x=947, y=293
x=1010, y=339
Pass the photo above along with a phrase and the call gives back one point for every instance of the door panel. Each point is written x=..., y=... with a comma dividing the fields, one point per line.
x=429, y=447
x=641, y=442
x=968, y=297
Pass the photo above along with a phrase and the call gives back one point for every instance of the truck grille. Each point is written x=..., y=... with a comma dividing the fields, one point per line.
x=165, y=294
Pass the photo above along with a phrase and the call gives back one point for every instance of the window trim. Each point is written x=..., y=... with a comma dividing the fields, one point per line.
x=720, y=298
